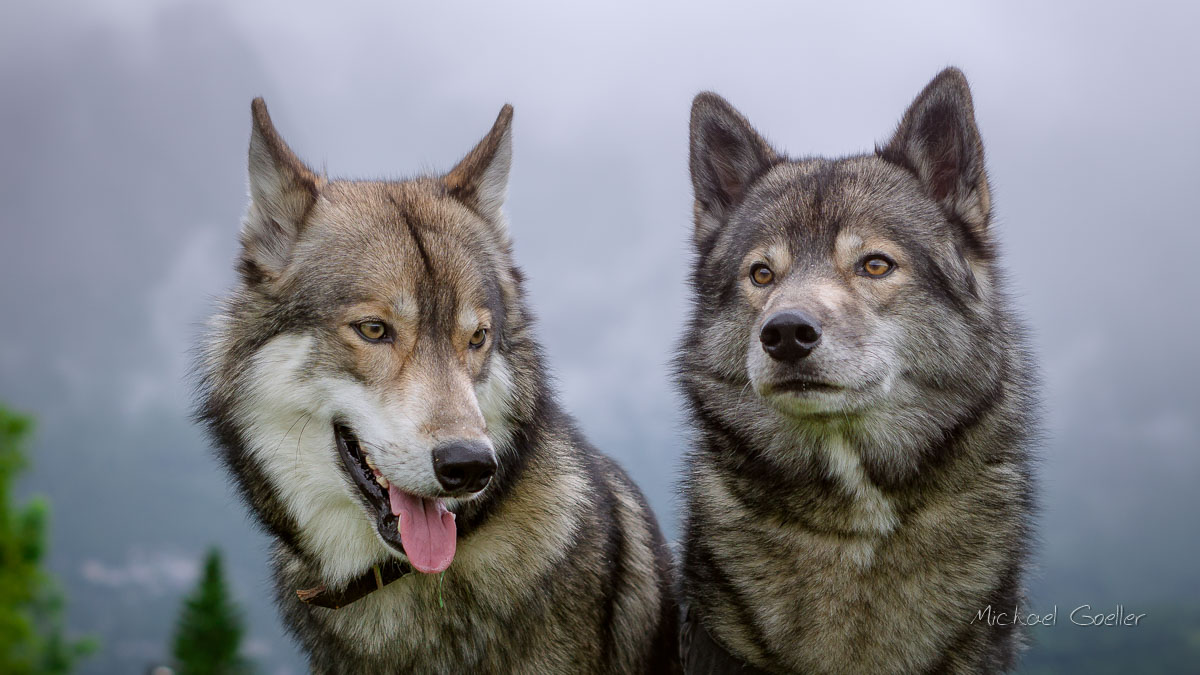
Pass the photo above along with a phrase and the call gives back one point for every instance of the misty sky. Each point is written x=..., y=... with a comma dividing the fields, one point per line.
x=123, y=131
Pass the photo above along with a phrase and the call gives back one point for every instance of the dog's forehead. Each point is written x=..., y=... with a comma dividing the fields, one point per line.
x=396, y=241
x=807, y=204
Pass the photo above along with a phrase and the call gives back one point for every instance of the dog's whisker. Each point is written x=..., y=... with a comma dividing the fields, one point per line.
x=288, y=433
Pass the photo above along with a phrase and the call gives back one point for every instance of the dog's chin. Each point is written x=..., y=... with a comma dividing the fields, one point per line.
x=378, y=504
x=804, y=397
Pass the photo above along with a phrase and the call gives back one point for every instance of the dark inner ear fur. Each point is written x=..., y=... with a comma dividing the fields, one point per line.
x=732, y=167
x=282, y=190
x=727, y=156
x=265, y=250
x=938, y=141
x=945, y=150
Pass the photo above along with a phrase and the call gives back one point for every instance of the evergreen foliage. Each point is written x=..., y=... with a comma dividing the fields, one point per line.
x=31, y=604
x=209, y=634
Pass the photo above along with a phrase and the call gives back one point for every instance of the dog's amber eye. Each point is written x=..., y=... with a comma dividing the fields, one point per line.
x=761, y=275
x=373, y=331
x=876, y=266
x=478, y=338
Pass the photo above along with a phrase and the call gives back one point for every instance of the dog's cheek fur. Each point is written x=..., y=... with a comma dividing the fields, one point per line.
x=723, y=340
x=495, y=395
x=287, y=423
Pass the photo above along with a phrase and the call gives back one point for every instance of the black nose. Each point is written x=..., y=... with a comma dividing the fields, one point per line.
x=464, y=466
x=790, y=335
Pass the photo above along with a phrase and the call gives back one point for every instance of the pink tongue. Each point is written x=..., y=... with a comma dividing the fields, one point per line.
x=427, y=531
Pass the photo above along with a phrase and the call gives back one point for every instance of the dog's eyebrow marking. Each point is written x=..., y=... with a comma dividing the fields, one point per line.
x=846, y=245
x=404, y=306
x=412, y=231
x=849, y=239
x=468, y=318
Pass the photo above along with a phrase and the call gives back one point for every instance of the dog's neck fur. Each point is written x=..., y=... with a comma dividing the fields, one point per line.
x=806, y=493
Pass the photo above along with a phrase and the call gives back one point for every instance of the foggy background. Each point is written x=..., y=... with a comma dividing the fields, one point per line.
x=123, y=132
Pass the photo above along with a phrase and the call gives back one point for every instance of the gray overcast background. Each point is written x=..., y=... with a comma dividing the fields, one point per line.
x=123, y=131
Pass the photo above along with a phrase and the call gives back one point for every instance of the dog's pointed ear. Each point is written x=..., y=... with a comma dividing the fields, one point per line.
x=480, y=180
x=726, y=156
x=939, y=142
x=282, y=190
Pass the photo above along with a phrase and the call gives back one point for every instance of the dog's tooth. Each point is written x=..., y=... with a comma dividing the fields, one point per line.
x=370, y=462
x=383, y=482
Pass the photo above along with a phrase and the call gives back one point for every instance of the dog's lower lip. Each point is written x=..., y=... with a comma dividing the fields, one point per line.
x=802, y=386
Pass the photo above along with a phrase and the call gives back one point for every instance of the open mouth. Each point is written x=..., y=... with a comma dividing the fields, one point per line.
x=420, y=527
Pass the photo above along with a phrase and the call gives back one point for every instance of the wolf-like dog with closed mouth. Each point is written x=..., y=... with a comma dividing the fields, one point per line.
x=863, y=404
x=375, y=389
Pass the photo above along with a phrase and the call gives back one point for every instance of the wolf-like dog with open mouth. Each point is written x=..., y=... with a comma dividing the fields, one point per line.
x=863, y=402
x=375, y=389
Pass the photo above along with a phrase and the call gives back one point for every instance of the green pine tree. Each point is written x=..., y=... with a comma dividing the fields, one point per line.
x=208, y=637
x=31, y=626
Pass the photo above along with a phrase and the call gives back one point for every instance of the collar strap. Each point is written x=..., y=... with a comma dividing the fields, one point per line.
x=370, y=581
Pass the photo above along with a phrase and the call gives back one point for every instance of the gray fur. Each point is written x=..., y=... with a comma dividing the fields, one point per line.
x=861, y=525
x=560, y=565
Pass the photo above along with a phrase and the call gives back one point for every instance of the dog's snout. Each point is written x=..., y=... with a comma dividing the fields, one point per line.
x=464, y=466
x=790, y=335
